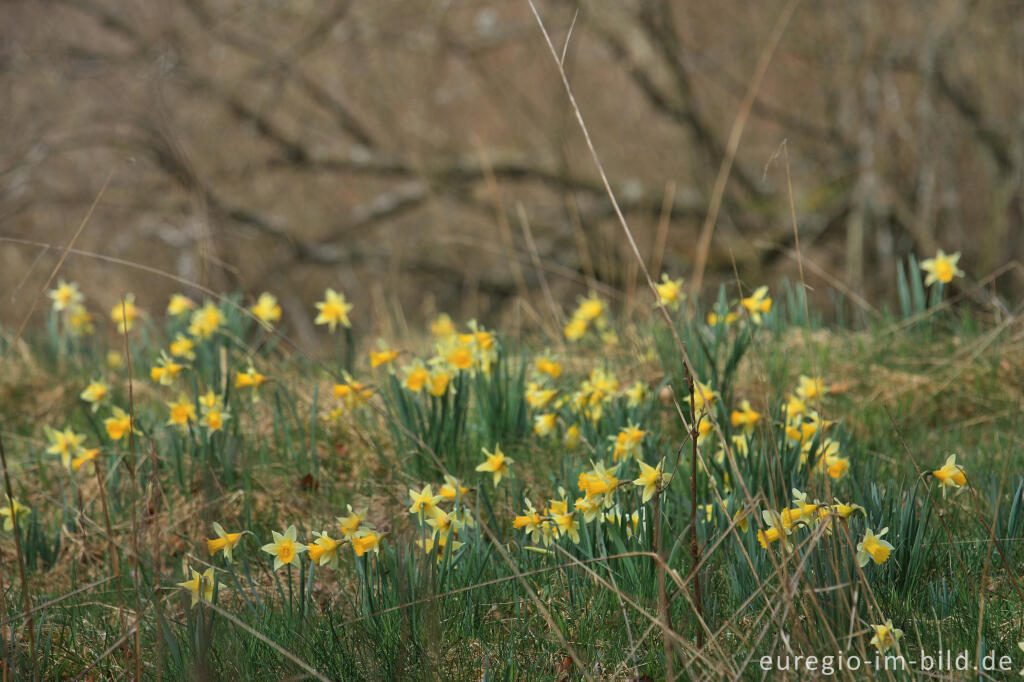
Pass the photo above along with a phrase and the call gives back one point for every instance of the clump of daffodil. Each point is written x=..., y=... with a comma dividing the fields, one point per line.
x=266, y=310
x=652, y=479
x=205, y=322
x=438, y=546
x=166, y=370
x=201, y=585
x=873, y=548
x=13, y=510
x=65, y=297
x=179, y=305
x=366, y=540
x=942, y=268
x=628, y=443
x=65, y=443
x=224, y=542
x=745, y=417
x=284, y=548
x=96, y=393
x=183, y=347
x=886, y=636
x=214, y=413
x=566, y=522
x=250, y=378
x=118, y=423
x=597, y=389
x=124, y=313
x=670, y=292
x=324, y=550
x=950, y=475
x=757, y=304
x=496, y=463
x=182, y=411
x=333, y=310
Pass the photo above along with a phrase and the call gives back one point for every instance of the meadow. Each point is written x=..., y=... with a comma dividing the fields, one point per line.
x=674, y=488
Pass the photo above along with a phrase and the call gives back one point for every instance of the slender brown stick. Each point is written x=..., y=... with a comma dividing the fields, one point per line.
x=21, y=560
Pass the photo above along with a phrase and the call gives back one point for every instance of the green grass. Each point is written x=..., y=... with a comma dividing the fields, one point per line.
x=907, y=389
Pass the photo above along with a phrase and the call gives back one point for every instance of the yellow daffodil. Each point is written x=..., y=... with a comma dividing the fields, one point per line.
x=544, y=424
x=382, y=357
x=703, y=396
x=442, y=327
x=250, y=378
x=941, y=268
x=652, y=479
x=66, y=296
x=670, y=292
x=873, y=548
x=529, y=522
x=284, y=548
x=65, y=443
x=950, y=475
x=452, y=488
x=886, y=636
x=214, y=413
x=333, y=310
x=590, y=308
x=809, y=390
x=539, y=397
x=757, y=304
x=775, y=530
x=118, y=424
x=364, y=541
x=598, y=481
x=96, y=393
x=201, y=585
x=80, y=320
x=224, y=542
x=545, y=365
x=165, y=371
x=124, y=313
x=353, y=393
x=353, y=523
x=84, y=457
x=496, y=463
x=205, y=322
x=745, y=417
x=438, y=546
x=182, y=411
x=575, y=329
x=437, y=382
x=13, y=510
x=266, y=310
x=324, y=550
x=416, y=376
x=179, y=305
x=628, y=443
x=635, y=394
x=115, y=360
x=572, y=437
x=183, y=347
x=423, y=502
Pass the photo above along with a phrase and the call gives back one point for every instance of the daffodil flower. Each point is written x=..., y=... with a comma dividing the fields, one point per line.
x=333, y=310
x=284, y=548
x=205, y=322
x=941, y=268
x=201, y=585
x=757, y=304
x=182, y=411
x=125, y=313
x=423, y=502
x=652, y=479
x=873, y=548
x=65, y=443
x=179, y=305
x=118, y=424
x=353, y=523
x=670, y=292
x=65, y=296
x=886, y=636
x=496, y=463
x=266, y=310
x=224, y=542
x=96, y=393
x=11, y=511
x=745, y=417
x=950, y=475
x=365, y=541
x=324, y=550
